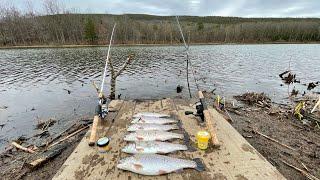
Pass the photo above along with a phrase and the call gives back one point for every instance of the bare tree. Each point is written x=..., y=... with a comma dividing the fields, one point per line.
x=115, y=74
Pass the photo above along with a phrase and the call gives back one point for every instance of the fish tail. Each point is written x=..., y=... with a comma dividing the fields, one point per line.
x=187, y=143
x=179, y=124
x=199, y=164
x=175, y=126
x=180, y=136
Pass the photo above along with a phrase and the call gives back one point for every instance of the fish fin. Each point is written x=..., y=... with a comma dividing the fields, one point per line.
x=179, y=124
x=140, y=149
x=139, y=138
x=200, y=166
x=138, y=166
x=179, y=171
x=186, y=139
x=190, y=148
x=161, y=172
x=161, y=152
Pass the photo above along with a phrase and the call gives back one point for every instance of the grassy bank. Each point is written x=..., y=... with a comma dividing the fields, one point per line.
x=101, y=45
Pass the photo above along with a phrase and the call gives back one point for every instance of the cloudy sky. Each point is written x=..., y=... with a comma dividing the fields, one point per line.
x=243, y=8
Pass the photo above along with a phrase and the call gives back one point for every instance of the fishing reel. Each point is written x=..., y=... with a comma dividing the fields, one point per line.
x=102, y=110
x=199, y=108
x=102, y=107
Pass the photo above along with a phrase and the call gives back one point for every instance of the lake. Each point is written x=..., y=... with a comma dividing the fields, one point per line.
x=34, y=82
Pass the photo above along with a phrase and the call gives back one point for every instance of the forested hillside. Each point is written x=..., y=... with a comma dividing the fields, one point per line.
x=58, y=28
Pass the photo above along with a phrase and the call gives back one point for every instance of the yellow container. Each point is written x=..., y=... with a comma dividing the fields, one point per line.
x=203, y=139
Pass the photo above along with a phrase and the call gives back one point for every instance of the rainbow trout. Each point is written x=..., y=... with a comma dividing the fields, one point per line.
x=152, y=136
x=150, y=114
x=148, y=147
x=154, y=164
x=148, y=127
x=153, y=120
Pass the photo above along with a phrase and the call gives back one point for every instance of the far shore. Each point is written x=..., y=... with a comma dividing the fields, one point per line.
x=100, y=45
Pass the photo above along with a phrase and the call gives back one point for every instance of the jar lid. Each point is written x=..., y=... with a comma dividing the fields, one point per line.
x=203, y=133
x=103, y=142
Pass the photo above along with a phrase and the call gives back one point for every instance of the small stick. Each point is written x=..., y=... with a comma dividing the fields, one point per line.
x=18, y=146
x=228, y=115
x=315, y=106
x=308, y=175
x=274, y=140
x=305, y=167
x=58, y=136
x=67, y=137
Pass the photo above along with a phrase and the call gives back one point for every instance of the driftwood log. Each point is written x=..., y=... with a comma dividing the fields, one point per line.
x=47, y=155
x=18, y=146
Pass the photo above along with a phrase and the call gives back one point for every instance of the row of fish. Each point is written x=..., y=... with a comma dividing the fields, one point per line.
x=148, y=131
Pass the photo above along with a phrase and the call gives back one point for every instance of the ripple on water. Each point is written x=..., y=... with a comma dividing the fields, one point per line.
x=36, y=77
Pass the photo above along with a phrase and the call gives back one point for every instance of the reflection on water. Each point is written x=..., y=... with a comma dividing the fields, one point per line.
x=36, y=78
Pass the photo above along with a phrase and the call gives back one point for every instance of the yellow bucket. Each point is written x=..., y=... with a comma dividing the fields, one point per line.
x=203, y=139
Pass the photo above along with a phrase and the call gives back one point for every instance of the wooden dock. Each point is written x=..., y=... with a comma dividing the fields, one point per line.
x=235, y=159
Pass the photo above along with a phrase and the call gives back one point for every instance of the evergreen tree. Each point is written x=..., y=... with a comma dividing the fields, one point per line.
x=200, y=26
x=90, y=31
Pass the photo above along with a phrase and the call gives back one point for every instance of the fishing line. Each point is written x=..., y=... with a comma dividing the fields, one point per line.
x=107, y=61
x=188, y=60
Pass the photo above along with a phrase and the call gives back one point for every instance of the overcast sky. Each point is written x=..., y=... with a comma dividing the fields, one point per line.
x=243, y=8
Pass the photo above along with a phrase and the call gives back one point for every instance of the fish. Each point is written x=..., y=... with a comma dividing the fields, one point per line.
x=148, y=147
x=153, y=120
x=154, y=164
x=150, y=114
x=152, y=135
x=159, y=127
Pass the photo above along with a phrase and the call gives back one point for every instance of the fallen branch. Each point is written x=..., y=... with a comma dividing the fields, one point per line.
x=315, y=106
x=57, y=137
x=229, y=115
x=308, y=175
x=47, y=156
x=274, y=140
x=18, y=146
x=67, y=137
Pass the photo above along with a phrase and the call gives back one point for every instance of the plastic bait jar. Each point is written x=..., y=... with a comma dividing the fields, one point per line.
x=103, y=144
x=203, y=139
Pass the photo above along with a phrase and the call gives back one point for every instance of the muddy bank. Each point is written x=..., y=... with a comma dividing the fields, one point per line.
x=278, y=135
x=42, y=154
x=271, y=128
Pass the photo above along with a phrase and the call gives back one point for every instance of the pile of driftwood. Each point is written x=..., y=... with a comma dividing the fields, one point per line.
x=305, y=108
x=252, y=98
x=32, y=156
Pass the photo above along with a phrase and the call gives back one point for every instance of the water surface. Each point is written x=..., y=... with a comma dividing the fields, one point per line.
x=32, y=81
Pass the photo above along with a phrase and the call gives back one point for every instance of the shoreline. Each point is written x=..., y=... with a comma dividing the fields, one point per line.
x=268, y=119
x=175, y=44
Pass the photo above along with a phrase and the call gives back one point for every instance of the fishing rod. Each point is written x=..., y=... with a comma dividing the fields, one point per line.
x=102, y=107
x=187, y=52
x=202, y=109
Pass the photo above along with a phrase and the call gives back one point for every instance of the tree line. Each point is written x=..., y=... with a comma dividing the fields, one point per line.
x=58, y=26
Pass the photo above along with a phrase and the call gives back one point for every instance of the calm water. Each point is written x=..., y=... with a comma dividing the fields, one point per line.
x=36, y=78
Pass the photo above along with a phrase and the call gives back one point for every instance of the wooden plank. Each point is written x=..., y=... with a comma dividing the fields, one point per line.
x=235, y=159
x=86, y=162
x=209, y=121
x=93, y=132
